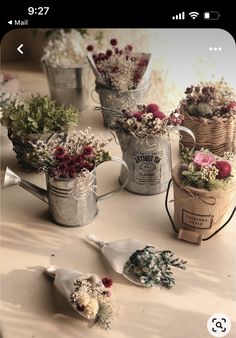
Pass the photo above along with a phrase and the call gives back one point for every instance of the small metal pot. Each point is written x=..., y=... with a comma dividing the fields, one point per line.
x=69, y=86
x=148, y=160
x=113, y=101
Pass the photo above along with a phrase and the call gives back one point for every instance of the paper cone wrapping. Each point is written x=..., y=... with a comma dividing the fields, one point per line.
x=143, y=81
x=95, y=305
x=118, y=253
x=146, y=76
x=120, y=256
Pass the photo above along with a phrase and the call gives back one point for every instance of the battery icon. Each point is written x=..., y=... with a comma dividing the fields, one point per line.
x=211, y=15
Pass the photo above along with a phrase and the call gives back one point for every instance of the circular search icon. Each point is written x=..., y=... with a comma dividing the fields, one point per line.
x=219, y=325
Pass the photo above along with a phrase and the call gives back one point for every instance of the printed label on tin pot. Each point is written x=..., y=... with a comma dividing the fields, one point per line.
x=147, y=168
x=196, y=221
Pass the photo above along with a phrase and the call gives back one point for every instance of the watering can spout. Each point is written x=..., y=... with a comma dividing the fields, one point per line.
x=11, y=179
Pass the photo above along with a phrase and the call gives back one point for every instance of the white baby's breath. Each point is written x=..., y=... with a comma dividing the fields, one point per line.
x=65, y=49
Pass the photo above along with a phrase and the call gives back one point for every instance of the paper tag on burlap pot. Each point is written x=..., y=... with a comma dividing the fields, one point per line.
x=201, y=210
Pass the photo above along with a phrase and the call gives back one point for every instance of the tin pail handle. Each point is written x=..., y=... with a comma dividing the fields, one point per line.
x=186, y=130
x=115, y=191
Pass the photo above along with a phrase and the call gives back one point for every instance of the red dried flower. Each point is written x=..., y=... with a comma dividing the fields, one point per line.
x=154, y=109
x=80, y=308
x=90, y=48
x=61, y=169
x=138, y=115
x=87, y=165
x=159, y=115
x=101, y=57
x=113, y=42
x=109, y=52
x=115, y=69
x=72, y=172
x=59, y=153
x=88, y=151
x=128, y=48
x=107, y=282
x=224, y=168
x=66, y=158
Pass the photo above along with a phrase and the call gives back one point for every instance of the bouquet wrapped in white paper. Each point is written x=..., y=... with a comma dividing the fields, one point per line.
x=89, y=295
x=139, y=262
x=120, y=69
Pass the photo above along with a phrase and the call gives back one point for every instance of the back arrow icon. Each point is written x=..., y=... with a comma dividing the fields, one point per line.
x=19, y=48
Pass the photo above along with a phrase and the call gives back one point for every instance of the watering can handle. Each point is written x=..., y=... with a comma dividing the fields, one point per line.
x=186, y=130
x=113, y=192
x=174, y=226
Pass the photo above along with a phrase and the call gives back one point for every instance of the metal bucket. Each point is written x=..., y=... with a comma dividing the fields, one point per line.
x=115, y=101
x=69, y=86
x=148, y=160
x=69, y=205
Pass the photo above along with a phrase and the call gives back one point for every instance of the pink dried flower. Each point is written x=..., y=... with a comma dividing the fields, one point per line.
x=224, y=168
x=176, y=118
x=204, y=159
x=107, y=282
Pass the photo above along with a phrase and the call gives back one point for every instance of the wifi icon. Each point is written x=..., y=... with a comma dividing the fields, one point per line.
x=193, y=15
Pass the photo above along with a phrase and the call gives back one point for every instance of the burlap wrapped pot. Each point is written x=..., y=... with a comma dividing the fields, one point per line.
x=198, y=213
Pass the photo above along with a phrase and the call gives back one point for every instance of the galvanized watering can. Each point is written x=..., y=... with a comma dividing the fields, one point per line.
x=70, y=202
x=148, y=160
x=69, y=86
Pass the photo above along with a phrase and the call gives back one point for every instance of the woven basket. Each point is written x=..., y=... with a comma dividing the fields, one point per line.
x=25, y=153
x=218, y=135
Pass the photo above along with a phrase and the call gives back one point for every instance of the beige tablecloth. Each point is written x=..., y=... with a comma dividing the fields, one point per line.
x=30, y=242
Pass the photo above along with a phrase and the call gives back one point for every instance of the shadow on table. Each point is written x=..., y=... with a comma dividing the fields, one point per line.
x=150, y=320
x=30, y=301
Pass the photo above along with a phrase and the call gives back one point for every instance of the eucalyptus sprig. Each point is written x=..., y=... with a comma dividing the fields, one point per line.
x=39, y=115
x=153, y=267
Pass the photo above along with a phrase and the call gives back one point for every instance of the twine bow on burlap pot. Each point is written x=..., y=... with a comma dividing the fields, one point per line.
x=199, y=214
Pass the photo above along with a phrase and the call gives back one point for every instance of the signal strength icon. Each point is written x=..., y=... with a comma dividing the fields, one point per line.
x=180, y=16
x=193, y=15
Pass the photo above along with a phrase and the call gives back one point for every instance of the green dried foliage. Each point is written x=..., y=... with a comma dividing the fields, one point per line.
x=152, y=267
x=39, y=115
